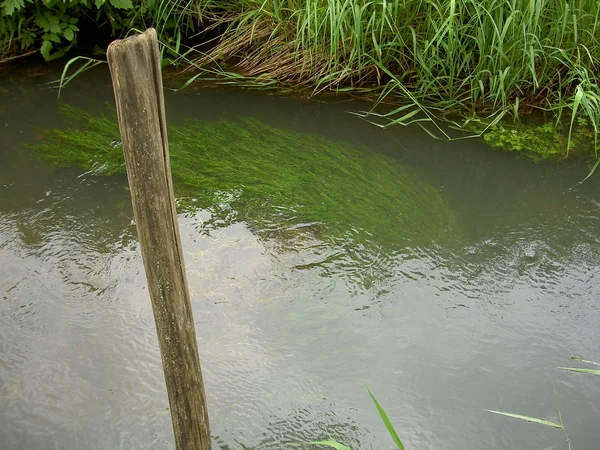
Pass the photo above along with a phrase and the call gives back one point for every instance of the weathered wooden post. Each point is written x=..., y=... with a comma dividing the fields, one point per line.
x=137, y=81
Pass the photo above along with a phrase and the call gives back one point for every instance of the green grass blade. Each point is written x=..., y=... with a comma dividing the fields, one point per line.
x=191, y=80
x=579, y=94
x=594, y=167
x=575, y=358
x=560, y=415
x=64, y=79
x=386, y=421
x=528, y=419
x=576, y=369
x=405, y=118
x=330, y=443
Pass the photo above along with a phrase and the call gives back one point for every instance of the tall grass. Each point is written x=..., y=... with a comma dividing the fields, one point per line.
x=484, y=54
x=470, y=56
x=499, y=58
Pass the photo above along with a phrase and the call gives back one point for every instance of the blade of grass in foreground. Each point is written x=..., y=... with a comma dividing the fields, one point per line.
x=64, y=79
x=528, y=419
x=386, y=421
x=331, y=443
x=576, y=369
x=575, y=358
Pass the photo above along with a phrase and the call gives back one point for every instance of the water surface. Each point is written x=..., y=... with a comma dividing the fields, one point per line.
x=292, y=326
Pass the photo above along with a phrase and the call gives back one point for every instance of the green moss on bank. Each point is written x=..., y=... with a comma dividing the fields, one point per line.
x=276, y=181
x=538, y=142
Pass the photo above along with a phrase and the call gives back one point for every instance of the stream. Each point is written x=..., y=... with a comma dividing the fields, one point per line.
x=446, y=277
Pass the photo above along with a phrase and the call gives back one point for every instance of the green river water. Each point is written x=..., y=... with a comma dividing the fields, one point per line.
x=323, y=254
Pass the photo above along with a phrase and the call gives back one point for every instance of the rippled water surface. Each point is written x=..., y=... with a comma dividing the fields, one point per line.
x=295, y=316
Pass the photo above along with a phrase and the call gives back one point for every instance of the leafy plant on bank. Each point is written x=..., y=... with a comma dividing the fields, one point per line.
x=52, y=27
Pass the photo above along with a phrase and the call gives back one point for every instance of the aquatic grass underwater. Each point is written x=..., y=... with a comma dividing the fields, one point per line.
x=278, y=182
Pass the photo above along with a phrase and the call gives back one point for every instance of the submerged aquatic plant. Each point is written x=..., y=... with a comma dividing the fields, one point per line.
x=278, y=182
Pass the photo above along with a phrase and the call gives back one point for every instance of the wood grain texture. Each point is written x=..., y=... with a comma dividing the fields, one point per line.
x=137, y=81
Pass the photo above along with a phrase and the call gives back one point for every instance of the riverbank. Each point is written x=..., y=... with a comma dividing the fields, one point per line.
x=485, y=59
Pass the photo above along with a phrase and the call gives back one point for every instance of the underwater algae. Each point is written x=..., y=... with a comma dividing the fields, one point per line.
x=278, y=182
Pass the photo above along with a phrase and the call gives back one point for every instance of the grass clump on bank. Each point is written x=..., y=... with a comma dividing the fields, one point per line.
x=278, y=182
x=458, y=55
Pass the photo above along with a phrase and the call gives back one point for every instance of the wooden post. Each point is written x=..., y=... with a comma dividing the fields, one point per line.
x=137, y=81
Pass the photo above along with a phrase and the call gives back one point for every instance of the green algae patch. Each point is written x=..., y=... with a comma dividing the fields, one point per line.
x=538, y=142
x=279, y=183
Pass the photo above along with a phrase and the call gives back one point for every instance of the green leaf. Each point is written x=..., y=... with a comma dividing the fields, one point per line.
x=99, y=3
x=48, y=22
x=386, y=421
x=52, y=37
x=27, y=39
x=575, y=369
x=528, y=419
x=123, y=4
x=42, y=21
x=330, y=443
x=59, y=53
x=594, y=167
x=55, y=25
x=9, y=6
x=579, y=94
x=45, y=49
x=69, y=35
x=64, y=79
